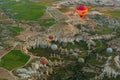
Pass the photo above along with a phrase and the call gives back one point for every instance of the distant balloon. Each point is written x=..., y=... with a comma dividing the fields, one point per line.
x=51, y=38
x=54, y=47
x=43, y=60
x=81, y=10
x=109, y=50
x=81, y=60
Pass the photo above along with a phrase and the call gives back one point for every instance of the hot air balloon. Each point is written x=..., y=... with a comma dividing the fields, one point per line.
x=43, y=60
x=81, y=10
x=54, y=47
x=81, y=60
x=109, y=50
x=51, y=38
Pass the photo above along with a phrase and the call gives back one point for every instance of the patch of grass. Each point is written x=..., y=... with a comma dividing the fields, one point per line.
x=100, y=46
x=71, y=71
x=108, y=54
x=47, y=2
x=24, y=11
x=118, y=32
x=46, y=52
x=14, y=59
x=16, y=30
x=3, y=79
x=42, y=52
x=47, y=22
x=113, y=13
x=92, y=60
x=79, y=45
x=104, y=30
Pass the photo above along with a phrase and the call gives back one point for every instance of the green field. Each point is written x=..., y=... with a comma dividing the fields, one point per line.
x=46, y=22
x=47, y=2
x=24, y=10
x=14, y=59
x=113, y=13
x=103, y=30
x=15, y=30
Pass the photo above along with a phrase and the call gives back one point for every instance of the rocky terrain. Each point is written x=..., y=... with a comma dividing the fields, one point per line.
x=100, y=2
x=82, y=48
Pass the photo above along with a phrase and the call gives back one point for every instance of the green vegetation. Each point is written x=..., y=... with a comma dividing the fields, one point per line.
x=3, y=79
x=71, y=71
x=118, y=31
x=14, y=59
x=15, y=30
x=100, y=46
x=92, y=60
x=47, y=2
x=113, y=13
x=24, y=11
x=104, y=30
x=46, y=52
x=79, y=45
x=100, y=49
x=82, y=45
x=108, y=54
x=41, y=52
x=47, y=22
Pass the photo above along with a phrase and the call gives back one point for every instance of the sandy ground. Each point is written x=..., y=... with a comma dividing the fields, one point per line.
x=24, y=35
x=5, y=74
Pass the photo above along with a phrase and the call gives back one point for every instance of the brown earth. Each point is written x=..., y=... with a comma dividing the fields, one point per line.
x=2, y=52
x=5, y=74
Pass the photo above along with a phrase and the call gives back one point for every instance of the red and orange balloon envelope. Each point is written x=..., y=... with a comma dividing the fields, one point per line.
x=81, y=10
x=43, y=60
x=51, y=38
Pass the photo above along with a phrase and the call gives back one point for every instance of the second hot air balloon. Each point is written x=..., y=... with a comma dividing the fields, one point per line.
x=82, y=10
